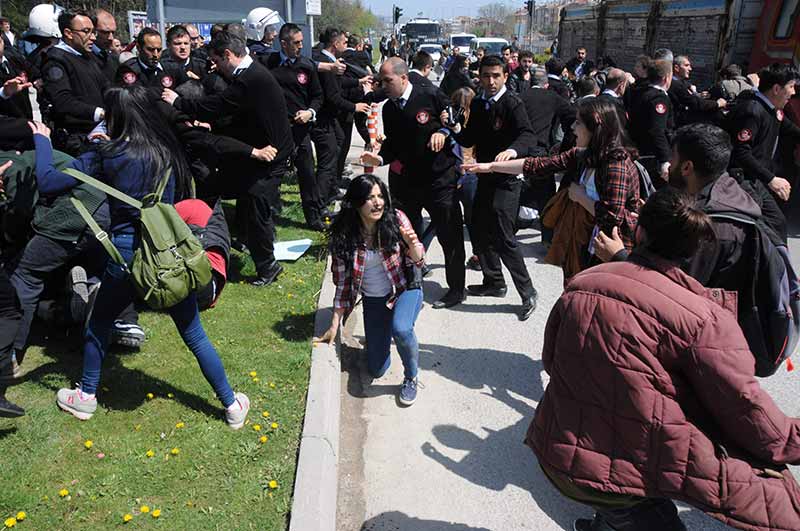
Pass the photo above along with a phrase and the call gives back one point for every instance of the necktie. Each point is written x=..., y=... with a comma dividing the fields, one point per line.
x=5, y=68
x=401, y=102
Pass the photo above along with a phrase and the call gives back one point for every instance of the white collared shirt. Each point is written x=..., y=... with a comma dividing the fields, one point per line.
x=662, y=89
x=765, y=99
x=146, y=67
x=499, y=94
x=329, y=55
x=243, y=65
x=407, y=92
x=611, y=93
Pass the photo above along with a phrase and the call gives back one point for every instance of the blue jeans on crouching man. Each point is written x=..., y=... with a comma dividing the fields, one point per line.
x=381, y=324
x=116, y=292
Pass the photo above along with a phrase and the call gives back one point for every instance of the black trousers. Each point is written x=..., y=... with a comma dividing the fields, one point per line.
x=323, y=134
x=258, y=206
x=360, y=121
x=346, y=123
x=441, y=202
x=10, y=318
x=493, y=229
x=306, y=178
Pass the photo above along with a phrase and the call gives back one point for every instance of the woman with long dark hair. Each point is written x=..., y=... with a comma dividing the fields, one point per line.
x=141, y=151
x=457, y=76
x=374, y=250
x=608, y=180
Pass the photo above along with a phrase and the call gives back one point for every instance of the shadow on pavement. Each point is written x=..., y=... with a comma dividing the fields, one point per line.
x=397, y=521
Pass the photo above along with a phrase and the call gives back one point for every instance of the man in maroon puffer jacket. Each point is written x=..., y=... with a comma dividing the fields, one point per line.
x=652, y=394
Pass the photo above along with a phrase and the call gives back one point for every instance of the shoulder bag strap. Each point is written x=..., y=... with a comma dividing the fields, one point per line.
x=99, y=233
x=113, y=192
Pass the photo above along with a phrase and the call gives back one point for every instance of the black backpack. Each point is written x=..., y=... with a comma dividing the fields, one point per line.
x=769, y=308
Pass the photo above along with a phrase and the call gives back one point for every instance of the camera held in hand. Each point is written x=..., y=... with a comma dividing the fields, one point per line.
x=455, y=116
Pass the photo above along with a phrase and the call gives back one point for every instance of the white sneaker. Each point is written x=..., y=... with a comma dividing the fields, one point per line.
x=238, y=415
x=73, y=401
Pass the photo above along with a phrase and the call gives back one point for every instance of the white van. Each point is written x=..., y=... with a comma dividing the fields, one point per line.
x=461, y=41
x=492, y=45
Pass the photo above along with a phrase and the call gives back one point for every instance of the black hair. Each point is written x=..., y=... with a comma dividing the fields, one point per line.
x=139, y=129
x=191, y=89
x=328, y=36
x=345, y=232
x=707, y=146
x=658, y=69
x=554, y=66
x=227, y=41
x=353, y=41
x=65, y=19
x=674, y=227
x=490, y=61
x=287, y=30
x=731, y=71
x=176, y=32
x=586, y=86
x=775, y=74
x=507, y=47
x=144, y=33
x=458, y=64
x=421, y=60
x=525, y=54
x=237, y=30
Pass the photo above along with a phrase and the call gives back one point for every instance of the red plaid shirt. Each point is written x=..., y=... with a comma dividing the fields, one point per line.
x=347, y=276
x=617, y=185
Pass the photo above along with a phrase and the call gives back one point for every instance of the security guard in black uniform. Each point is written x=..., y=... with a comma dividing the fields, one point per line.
x=652, y=122
x=179, y=54
x=415, y=138
x=756, y=125
x=688, y=106
x=499, y=129
x=106, y=28
x=298, y=78
x=256, y=104
x=147, y=68
x=73, y=83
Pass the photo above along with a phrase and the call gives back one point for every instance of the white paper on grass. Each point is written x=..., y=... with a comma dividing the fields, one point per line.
x=291, y=250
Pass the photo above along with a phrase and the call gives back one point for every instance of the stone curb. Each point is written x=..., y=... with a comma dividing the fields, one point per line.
x=316, y=482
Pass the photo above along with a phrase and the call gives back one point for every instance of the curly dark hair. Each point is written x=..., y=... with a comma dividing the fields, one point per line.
x=345, y=232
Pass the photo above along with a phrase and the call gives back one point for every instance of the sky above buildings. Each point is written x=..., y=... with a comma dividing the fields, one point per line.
x=437, y=9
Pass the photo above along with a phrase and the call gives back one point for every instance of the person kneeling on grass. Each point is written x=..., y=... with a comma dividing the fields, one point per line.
x=373, y=246
x=141, y=150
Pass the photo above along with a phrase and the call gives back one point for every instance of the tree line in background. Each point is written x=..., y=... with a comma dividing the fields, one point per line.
x=17, y=11
x=350, y=15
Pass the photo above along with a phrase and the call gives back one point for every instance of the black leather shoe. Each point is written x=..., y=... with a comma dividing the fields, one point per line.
x=239, y=245
x=482, y=290
x=449, y=300
x=10, y=410
x=527, y=308
x=268, y=277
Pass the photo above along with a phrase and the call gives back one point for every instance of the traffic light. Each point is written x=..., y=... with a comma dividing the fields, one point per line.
x=529, y=7
x=397, y=14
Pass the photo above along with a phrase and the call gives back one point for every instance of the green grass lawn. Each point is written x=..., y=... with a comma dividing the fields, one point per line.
x=219, y=479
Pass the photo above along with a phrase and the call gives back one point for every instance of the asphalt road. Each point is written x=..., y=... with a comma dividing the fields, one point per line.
x=455, y=460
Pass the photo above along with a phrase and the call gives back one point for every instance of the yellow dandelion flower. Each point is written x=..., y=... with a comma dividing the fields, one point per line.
x=150, y=396
x=256, y=380
x=263, y=439
x=170, y=395
x=21, y=516
x=274, y=425
x=63, y=493
x=137, y=427
x=10, y=522
x=175, y=451
x=273, y=484
x=272, y=385
x=127, y=518
x=257, y=427
x=180, y=425
x=88, y=444
x=156, y=513
x=150, y=453
x=144, y=509
x=265, y=414
x=253, y=374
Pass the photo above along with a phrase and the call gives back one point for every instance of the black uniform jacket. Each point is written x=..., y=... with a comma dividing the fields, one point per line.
x=74, y=86
x=651, y=122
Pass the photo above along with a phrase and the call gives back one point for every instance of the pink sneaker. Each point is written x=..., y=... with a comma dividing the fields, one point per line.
x=74, y=401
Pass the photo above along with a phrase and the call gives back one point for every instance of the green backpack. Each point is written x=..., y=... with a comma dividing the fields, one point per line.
x=170, y=263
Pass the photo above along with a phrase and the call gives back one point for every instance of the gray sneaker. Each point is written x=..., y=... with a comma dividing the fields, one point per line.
x=78, y=288
x=73, y=401
x=237, y=417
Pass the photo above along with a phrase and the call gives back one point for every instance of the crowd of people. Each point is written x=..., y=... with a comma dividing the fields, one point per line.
x=656, y=200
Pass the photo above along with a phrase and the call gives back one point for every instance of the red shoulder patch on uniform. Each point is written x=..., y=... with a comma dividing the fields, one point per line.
x=302, y=78
x=423, y=117
x=129, y=78
x=745, y=135
x=661, y=108
x=167, y=81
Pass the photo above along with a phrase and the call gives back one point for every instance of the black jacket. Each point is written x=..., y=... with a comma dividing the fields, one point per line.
x=620, y=105
x=573, y=63
x=351, y=88
x=651, y=122
x=688, y=106
x=170, y=75
x=195, y=65
x=454, y=80
x=19, y=105
x=495, y=127
x=108, y=63
x=335, y=98
x=558, y=86
x=755, y=130
x=516, y=81
x=545, y=109
x=408, y=131
x=299, y=81
x=255, y=102
x=74, y=86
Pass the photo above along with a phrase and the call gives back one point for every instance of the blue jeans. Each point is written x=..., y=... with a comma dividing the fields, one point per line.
x=382, y=324
x=116, y=292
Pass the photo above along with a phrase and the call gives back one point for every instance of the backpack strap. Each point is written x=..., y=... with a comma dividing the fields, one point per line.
x=162, y=185
x=99, y=233
x=100, y=185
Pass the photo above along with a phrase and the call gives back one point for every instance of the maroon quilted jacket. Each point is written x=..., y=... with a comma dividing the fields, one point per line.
x=652, y=393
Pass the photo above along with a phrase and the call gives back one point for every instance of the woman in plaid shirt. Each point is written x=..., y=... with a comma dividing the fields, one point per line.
x=608, y=180
x=372, y=246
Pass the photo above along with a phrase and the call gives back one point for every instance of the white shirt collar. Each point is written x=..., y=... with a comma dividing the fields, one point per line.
x=659, y=87
x=417, y=71
x=328, y=54
x=244, y=65
x=763, y=98
x=553, y=76
x=67, y=48
x=146, y=67
x=499, y=94
x=611, y=93
x=587, y=97
x=407, y=92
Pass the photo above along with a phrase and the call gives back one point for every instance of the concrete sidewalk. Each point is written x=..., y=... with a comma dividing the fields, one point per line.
x=455, y=460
